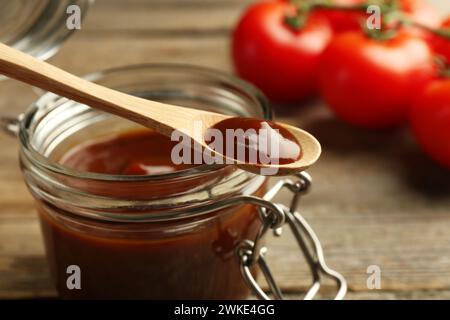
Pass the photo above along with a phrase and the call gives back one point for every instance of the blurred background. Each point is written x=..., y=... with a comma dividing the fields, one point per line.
x=443, y=7
x=377, y=199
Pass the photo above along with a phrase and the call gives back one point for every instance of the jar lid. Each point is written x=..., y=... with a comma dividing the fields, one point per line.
x=37, y=27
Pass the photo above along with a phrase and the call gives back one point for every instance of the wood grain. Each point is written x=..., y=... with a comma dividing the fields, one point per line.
x=376, y=200
x=161, y=18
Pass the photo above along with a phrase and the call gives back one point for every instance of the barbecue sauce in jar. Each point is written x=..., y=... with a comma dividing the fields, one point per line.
x=191, y=258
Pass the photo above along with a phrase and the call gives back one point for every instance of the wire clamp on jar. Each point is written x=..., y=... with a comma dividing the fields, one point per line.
x=273, y=217
x=10, y=125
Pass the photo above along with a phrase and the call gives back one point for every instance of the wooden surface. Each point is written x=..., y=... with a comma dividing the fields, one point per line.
x=376, y=199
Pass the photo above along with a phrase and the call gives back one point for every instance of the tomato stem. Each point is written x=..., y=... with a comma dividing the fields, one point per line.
x=444, y=33
x=299, y=19
x=389, y=10
x=445, y=73
x=328, y=4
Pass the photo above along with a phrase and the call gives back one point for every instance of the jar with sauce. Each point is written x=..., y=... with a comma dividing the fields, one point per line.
x=117, y=213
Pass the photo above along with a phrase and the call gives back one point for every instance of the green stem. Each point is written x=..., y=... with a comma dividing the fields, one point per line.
x=329, y=6
x=298, y=21
x=389, y=9
x=444, y=33
x=445, y=73
x=442, y=66
x=305, y=7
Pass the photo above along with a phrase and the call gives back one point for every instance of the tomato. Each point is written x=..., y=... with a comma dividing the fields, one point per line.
x=344, y=20
x=440, y=44
x=278, y=59
x=368, y=82
x=347, y=20
x=430, y=121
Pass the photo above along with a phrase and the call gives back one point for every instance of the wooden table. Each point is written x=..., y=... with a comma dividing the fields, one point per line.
x=376, y=199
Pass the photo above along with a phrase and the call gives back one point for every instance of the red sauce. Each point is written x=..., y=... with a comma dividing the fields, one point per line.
x=260, y=141
x=188, y=259
x=132, y=153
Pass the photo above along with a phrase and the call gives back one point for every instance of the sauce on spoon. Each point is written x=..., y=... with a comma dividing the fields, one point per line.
x=255, y=141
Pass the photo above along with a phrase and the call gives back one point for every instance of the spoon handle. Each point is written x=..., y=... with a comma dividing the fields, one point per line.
x=158, y=116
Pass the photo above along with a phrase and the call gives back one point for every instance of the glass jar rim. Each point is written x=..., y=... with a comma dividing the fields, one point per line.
x=52, y=166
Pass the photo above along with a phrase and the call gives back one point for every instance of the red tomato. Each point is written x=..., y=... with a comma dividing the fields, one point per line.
x=279, y=60
x=440, y=44
x=369, y=83
x=346, y=20
x=430, y=121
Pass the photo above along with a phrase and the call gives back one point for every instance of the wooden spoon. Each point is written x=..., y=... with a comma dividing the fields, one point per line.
x=161, y=117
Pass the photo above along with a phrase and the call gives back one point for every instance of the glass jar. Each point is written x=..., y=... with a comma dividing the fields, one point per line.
x=189, y=234
x=37, y=27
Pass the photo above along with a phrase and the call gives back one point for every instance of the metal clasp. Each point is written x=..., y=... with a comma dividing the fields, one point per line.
x=10, y=125
x=251, y=253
